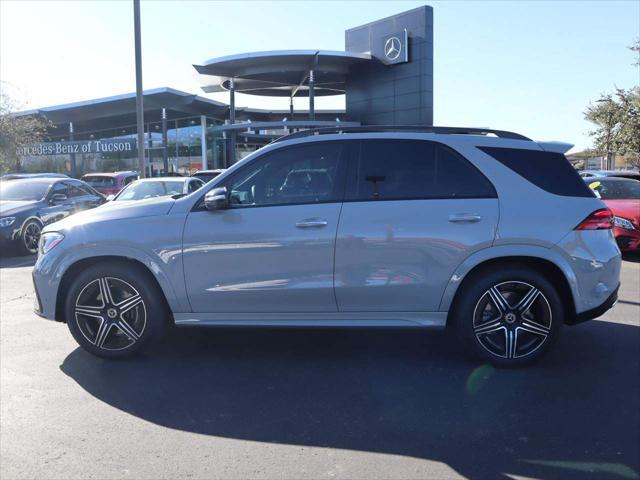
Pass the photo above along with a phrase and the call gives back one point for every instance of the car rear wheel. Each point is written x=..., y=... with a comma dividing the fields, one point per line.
x=508, y=317
x=30, y=236
x=113, y=310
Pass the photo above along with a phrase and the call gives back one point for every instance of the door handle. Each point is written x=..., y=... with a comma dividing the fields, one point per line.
x=312, y=223
x=464, y=217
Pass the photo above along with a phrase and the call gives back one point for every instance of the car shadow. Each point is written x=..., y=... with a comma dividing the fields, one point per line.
x=631, y=257
x=572, y=415
x=11, y=261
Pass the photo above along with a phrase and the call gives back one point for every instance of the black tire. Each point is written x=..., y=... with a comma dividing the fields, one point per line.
x=30, y=236
x=134, y=316
x=513, y=335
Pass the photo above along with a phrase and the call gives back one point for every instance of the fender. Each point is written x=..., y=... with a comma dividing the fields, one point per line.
x=55, y=271
x=18, y=230
x=502, y=251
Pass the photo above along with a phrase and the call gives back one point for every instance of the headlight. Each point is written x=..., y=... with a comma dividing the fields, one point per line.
x=6, y=221
x=623, y=223
x=48, y=241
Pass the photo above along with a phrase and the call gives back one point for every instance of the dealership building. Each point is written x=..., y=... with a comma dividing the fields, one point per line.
x=385, y=74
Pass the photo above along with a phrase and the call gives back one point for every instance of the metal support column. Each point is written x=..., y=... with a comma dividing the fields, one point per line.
x=312, y=93
x=203, y=141
x=139, y=102
x=165, y=143
x=72, y=155
x=231, y=154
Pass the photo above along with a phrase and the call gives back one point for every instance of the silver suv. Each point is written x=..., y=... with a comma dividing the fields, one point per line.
x=484, y=231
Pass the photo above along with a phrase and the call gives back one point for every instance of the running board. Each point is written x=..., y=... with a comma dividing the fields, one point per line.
x=431, y=320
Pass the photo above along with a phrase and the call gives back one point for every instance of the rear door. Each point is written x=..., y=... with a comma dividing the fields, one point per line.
x=413, y=211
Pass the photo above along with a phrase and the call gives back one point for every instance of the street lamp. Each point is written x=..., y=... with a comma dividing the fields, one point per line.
x=139, y=101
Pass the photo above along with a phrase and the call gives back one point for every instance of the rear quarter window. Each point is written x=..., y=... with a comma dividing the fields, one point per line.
x=549, y=171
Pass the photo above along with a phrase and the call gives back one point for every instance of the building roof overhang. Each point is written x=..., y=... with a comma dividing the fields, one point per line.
x=280, y=72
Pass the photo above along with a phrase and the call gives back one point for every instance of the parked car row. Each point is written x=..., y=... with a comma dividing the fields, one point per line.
x=28, y=202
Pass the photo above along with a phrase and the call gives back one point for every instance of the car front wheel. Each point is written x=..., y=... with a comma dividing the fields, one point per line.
x=30, y=236
x=113, y=309
x=510, y=316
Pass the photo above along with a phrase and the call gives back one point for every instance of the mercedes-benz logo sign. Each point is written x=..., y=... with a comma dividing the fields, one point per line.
x=392, y=48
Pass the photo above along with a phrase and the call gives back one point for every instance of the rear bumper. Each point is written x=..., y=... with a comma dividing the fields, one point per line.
x=597, y=311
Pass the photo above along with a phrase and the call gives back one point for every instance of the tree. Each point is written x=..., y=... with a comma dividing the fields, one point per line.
x=627, y=142
x=617, y=120
x=16, y=131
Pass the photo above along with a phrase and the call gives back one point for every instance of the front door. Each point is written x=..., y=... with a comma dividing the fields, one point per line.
x=413, y=211
x=272, y=249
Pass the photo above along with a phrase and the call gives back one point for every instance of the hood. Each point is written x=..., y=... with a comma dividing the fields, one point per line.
x=110, y=211
x=627, y=208
x=12, y=207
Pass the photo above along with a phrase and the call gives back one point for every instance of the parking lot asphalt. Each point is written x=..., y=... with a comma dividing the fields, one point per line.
x=264, y=403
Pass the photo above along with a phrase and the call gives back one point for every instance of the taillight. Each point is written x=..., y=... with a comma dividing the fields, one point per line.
x=599, y=220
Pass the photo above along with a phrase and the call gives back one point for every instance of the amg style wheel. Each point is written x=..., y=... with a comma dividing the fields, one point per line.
x=114, y=310
x=509, y=317
x=30, y=236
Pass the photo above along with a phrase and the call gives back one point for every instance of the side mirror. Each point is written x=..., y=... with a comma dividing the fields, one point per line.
x=58, y=198
x=216, y=199
x=110, y=197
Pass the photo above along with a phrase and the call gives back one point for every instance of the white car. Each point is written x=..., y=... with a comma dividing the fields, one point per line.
x=158, y=187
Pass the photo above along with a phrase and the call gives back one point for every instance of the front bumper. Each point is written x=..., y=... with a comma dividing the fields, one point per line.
x=597, y=311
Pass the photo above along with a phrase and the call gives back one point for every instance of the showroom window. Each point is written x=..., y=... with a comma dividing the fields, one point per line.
x=408, y=170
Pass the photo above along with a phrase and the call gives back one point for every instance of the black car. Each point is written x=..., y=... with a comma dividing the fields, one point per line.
x=26, y=205
x=208, y=175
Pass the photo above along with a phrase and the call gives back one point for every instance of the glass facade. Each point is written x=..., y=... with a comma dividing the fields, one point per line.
x=184, y=149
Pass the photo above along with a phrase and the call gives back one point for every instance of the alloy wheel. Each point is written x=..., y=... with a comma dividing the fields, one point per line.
x=512, y=319
x=31, y=236
x=110, y=313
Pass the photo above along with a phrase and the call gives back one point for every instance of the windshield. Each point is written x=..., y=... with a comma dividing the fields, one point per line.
x=98, y=181
x=615, y=189
x=142, y=190
x=23, y=191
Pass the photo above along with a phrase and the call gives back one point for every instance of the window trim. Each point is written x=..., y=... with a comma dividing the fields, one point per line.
x=341, y=175
x=351, y=178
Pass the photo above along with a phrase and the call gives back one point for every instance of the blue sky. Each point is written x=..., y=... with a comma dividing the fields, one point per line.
x=532, y=67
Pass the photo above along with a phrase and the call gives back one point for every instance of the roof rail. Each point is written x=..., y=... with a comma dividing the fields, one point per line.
x=402, y=128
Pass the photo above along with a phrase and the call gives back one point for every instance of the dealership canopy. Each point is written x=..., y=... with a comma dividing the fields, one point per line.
x=281, y=73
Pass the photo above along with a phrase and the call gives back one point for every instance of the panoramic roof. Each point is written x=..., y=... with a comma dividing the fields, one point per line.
x=280, y=73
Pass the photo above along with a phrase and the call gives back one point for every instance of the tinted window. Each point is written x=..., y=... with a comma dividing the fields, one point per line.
x=194, y=185
x=402, y=170
x=129, y=179
x=61, y=188
x=547, y=170
x=295, y=175
x=75, y=191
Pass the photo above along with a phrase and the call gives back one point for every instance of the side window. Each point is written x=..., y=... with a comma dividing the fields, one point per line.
x=74, y=190
x=549, y=171
x=294, y=175
x=194, y=185
x=406, y=170
x=59, y=187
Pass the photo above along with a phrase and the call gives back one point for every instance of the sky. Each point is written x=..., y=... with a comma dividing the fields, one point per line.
x=530, y=67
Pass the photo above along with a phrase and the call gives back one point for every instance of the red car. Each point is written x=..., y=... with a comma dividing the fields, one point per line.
x=110, y=183
x=622, y=196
